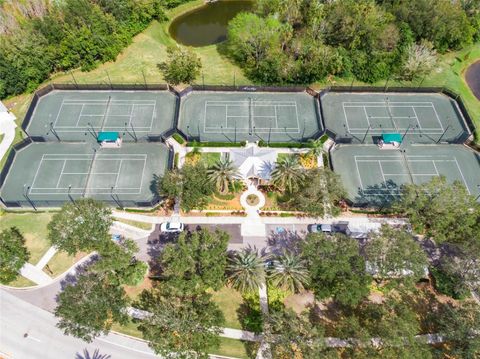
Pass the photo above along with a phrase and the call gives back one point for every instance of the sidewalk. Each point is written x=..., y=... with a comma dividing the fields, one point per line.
x=264, y=220
x=46, y=257
x=7, y=127
x=35, y=274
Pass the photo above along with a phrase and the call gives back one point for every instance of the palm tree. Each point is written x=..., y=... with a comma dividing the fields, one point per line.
x=316, y=147
x=246, y=270
x=222, y=174
x=289, y=273
x=287, y=174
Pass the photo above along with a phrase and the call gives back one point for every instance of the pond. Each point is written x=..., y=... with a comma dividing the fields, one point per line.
x=473, y=78
x=207, y=25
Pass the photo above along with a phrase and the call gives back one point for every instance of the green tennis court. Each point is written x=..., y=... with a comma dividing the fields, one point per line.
x=418, y=117
x=80, y=115
x=374, y=176
x=249, y=116
x=48, y=174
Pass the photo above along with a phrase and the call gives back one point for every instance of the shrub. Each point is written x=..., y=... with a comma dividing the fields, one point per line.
x=177, y=137
x=448, y=284
x=308, y=161
x=225, y=197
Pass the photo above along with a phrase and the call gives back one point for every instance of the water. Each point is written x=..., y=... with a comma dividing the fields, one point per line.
x=207, y=25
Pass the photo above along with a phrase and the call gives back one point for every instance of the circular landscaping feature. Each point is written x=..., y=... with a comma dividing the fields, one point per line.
x=472, y=76
x=253, y=200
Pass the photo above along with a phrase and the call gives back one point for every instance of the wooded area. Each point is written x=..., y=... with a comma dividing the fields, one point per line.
x=39, y=37
x=302, y=41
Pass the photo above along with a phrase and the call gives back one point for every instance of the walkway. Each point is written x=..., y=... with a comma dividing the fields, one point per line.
x=7, y=128
x=253, y=226
x=35, y=274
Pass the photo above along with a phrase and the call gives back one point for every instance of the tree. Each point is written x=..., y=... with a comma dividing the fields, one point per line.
x=190, y=184
x=393, y=253
x=287, y=174
x=81, y=226
x=182, y=66
x=90, y=307
x=442, y=22
x=119, y=261
x=320, y=194
x=183, y=327
x=336, y=268
x=392, y=325
x=246, y=270
x=446, y=212
x=421, y=60
x=258, y=43
x=196, y=260
x=13, y=254
x=222, y=174
x=289, y=272
x=460, y=327
x=293, y=336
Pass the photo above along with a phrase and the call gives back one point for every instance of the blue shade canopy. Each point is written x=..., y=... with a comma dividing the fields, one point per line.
x=107, y=136
x=392, y=137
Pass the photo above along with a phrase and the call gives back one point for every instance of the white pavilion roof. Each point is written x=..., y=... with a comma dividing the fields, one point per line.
x=254, y=161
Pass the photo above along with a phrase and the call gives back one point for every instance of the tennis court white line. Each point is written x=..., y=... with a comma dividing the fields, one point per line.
x=383, y=104
x=36, y=173
x=438, y=118
x=118, y=174
x=61, y=173
x=416, y=118
x=388, y=106
x=80, y=116
x=244, y=104
x=394, y=159
x=100, y=102
x=58, y=114
x=34, y=190
x=463, y=177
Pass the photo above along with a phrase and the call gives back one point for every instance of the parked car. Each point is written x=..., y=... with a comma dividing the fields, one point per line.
x=172, y=227
x=321, y=228
x=117, y=238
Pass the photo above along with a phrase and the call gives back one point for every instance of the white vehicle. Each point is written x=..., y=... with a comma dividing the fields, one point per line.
x=172, y=227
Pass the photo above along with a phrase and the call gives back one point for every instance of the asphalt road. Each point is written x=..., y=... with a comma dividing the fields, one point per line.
x=28, y=332
x=44, y=340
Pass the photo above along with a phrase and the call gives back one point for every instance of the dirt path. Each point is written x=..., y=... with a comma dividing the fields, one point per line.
x=472, y=76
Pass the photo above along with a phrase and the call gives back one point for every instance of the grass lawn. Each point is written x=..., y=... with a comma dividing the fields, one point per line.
x=61, y=262
x=224, y=204
x=33, y=226
x=232, y=348
x=229, y=301
x=142, y=225
x=129, y=329
x=282, y=156
x=21, y=282
x=209, y=158
x=133, y=291
x=228, y=347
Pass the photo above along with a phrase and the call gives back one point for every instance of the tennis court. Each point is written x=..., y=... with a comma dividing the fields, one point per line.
x=418, y=117
x=249, y=116
x=375, y=176
x=80, y=115
x=48, y=174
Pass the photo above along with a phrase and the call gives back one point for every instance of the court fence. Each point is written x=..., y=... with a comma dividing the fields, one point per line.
x=468, y=138
x=92, y=87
